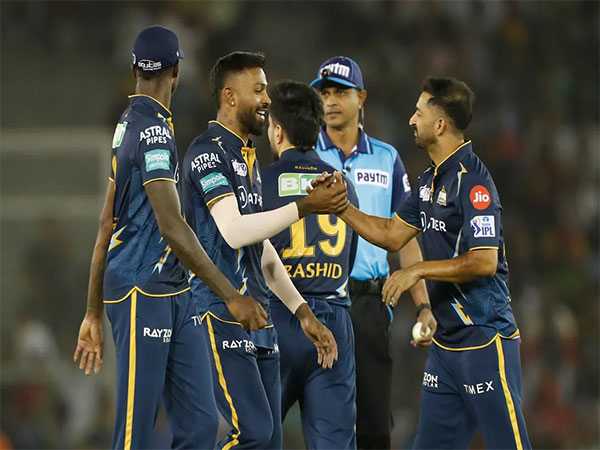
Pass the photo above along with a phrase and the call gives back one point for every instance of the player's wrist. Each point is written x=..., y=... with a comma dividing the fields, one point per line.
x=303, y=313
x=303, y=207
x=94, y=312
x=422, y=307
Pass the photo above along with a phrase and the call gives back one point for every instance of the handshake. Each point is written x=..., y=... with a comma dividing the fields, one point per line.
x=327, y=194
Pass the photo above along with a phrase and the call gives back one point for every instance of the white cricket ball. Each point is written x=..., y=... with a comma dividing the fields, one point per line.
x=416, y=332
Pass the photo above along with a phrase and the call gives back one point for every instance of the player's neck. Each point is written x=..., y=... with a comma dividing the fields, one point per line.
x=227, y=118
x=345, y=138
x=161, y=92
x=440, y=151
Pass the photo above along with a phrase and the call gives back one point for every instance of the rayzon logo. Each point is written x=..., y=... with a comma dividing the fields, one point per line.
x=290, y=184
x=158, y=333
x=235, y=344
x=429, y=380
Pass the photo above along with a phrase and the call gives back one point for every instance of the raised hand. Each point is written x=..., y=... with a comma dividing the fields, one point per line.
x=328, y=196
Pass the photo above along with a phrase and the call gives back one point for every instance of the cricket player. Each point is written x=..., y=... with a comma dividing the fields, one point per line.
x=223, y=203
x=135, y=269
x=376, y=170
x=318, y=252
x=472, y=378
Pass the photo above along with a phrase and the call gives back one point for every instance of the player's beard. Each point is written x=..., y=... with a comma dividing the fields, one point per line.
x=250, y=123
x=422, y=141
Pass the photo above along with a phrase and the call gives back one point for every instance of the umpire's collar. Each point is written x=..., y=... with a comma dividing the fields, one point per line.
x=230, y=137
x=298, y=154
x=364, y=146
x=147, y=102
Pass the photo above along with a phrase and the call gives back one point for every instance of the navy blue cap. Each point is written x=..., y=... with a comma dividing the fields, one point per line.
x=339, y=70
x=156, y=48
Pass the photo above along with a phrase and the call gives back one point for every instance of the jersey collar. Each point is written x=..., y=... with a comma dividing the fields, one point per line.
x=364, y=146
x=296, y=154
x=453, y=158
x=231, y=136
x=151, y=102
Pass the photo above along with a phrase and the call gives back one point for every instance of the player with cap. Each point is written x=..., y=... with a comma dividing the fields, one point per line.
x=136, y=272
x=472, y=378
x=378, y=175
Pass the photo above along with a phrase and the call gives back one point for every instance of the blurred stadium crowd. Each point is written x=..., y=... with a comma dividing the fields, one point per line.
x=534, y=68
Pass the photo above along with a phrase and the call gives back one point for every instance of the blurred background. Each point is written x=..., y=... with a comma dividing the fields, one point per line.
x=65, y=77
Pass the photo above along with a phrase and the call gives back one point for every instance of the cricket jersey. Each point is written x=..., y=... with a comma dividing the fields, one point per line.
x=379, y=177
x=143, y=151
x=457, y=208
x=219, y=163
x=318, y=250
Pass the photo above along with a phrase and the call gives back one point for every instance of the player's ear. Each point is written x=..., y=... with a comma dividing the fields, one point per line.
x=362, y=97
x=228, y=96
x=175, y=70
x=441, y=124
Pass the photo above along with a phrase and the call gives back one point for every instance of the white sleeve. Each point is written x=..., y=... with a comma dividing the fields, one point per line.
x=239, y=231
x=278, y=279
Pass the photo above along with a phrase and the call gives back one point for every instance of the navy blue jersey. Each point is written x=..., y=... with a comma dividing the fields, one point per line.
x=143, y=151
x=318, y=251
x=218, y=163
x=458, y=209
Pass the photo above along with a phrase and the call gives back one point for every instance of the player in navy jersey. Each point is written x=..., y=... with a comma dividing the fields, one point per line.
x=318, y=252
x=135, y=270
x=472, y=379
x=223, y=203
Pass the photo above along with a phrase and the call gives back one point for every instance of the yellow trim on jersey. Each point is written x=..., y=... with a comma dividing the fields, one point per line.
x=515, y=335
x=249, y=155
x=234, y=417
x=149, y=96
x=212, y=202
x=137, y=289
x=447, y=157
x=507, y=396
x=489, y=247
x=245, y=142
x=131, y=372
x=111, y=179
x=159, y=179
x=396, y=216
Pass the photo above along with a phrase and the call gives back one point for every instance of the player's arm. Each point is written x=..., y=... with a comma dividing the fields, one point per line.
x=184, y=243
x=90, y=340
x=280, y=283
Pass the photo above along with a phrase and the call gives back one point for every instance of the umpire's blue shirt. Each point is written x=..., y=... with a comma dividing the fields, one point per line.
x=457, y=209
x=381, y=182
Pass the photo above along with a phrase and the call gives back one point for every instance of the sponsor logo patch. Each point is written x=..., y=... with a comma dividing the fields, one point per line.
x=479, y=388
x=155, y=134
x=205, y=161
x=429, y=380
x=239, y=168
x=425, y=193
x=119, y=134
x=483, y=226
x=406, y=183
x=158, y=159
x=372, y=177
x=441, y=200
x=290, y=184
x=147, y=64
x=480, y=197
x=212, y=181
x=158, y=333
x=234, y=344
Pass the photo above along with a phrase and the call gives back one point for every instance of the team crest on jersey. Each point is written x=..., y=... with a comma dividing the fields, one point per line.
x=240, y=168
x=483, y=226
x=441, y=200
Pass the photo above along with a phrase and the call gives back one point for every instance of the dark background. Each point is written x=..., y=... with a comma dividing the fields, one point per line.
x=65, y=76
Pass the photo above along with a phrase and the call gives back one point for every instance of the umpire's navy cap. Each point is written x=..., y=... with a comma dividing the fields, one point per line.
x=339, y=70
x=156, y=48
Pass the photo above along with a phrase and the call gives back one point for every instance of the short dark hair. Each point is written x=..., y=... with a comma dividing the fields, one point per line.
x=146, y=75
x=298, y=109
x=454, y=97
x=230, y=63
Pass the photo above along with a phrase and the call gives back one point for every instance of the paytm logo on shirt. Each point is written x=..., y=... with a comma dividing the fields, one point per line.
x=372, y=177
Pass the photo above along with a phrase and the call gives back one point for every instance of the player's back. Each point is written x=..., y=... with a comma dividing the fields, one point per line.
x=318, y=250
x=143, y=151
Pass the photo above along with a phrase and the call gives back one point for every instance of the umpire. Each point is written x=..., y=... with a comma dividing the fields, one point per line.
x=381, y=182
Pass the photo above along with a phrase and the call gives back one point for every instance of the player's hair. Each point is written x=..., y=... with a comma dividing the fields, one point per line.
x=232, y=63
x=147, y=76
x=299, y=110
x=454, y=97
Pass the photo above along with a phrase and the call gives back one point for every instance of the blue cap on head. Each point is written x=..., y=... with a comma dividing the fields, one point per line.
x=156, y=48
x=339, y=70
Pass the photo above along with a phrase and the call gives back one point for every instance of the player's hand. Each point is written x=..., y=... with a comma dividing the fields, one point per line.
x=325, y=178
x=428, y=327
x=90, y=343
x=329, y=197
x=248, y=312
x=319, y=335
x=399, y=282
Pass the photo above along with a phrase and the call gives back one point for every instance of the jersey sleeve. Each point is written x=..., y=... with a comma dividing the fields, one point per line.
x=157, y=154
x=353, y=199
x=210, y=174
x=481, y=212
x=408, y=210
x=400, y=184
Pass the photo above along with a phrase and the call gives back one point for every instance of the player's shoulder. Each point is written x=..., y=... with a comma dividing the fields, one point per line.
x=205, y=143
x=380, y=147
x=475, y=169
